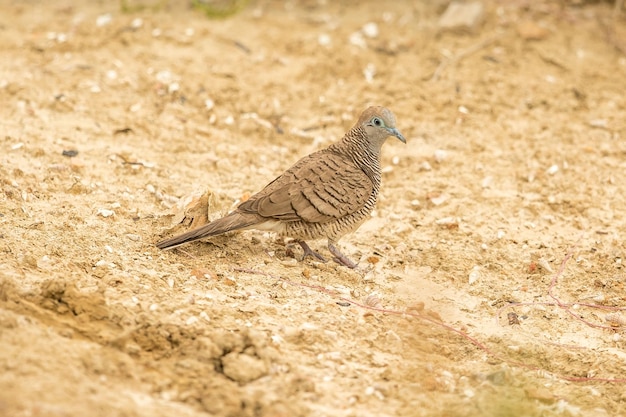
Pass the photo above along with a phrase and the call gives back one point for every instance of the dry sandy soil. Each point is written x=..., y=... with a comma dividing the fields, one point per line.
x=491, y=279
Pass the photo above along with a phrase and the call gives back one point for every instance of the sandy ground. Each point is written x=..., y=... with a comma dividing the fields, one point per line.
x=491, y=279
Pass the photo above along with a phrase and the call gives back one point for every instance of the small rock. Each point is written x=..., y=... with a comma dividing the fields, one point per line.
x=440, y=155
x=243, y=368
x=450, y=223
x=462, y=16
x=497, y=378
x=425, y=166
x=531, y=31
x=439, y=200
x=553, y=169
x=104, y=20
x=290, y=262
x=474, y=275
x=368, y=72
x=599, y=123
x=370, y=30
x=136, y=23
x=105, y=212
x=44, y=262
x=324, y=39
x=357, y=39
x=540, y=393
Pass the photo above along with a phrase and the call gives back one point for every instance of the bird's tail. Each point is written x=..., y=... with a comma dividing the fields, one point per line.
x=233, y=221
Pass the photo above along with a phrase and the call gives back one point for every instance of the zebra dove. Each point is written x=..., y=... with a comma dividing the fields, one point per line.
x=326, y=194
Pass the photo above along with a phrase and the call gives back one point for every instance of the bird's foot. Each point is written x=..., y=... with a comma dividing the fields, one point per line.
x=310, y=252
x=339, y=257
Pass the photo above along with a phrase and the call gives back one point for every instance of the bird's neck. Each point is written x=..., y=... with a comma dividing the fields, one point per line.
x=362, y=152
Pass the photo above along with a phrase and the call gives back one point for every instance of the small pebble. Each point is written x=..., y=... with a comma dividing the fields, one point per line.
x=104, y=20
x=324, y=39
x=553, y=170
x=136, y=23
x=133, y=237
x=439, y=200
x=369, y=72
x=600, y=123
x=44, y=262
x=462, y=16
x=370, y=30
x=290, y=262
x=164, y=77
x=105, y=212
x=531, y=31
x=447, y=221
x=425, y=166
x=474, y=275
x=440, y=155
x=357, y=39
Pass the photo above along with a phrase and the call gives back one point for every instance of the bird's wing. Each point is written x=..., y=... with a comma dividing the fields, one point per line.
x=322, y=187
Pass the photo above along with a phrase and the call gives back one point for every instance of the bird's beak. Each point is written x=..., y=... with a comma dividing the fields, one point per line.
x=395, y=132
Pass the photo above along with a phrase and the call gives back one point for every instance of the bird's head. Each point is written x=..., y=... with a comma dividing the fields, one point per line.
x=379, y=123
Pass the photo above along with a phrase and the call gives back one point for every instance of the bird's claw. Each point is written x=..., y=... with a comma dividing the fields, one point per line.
x=340, y=258
x=310, y=252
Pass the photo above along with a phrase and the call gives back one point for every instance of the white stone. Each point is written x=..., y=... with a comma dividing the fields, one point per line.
x=462, y=16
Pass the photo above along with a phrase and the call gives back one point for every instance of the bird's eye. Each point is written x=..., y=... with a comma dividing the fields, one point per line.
x=377, y=122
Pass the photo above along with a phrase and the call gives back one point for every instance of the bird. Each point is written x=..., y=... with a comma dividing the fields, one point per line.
x=326, y=194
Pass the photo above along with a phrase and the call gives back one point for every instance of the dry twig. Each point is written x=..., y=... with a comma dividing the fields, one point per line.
x=463, y=54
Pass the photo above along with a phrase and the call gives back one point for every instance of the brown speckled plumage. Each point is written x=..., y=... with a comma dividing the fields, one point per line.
x=326, y=194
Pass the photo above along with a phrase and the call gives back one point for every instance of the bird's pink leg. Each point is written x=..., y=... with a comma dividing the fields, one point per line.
x=340, y=258
x=310, y=252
